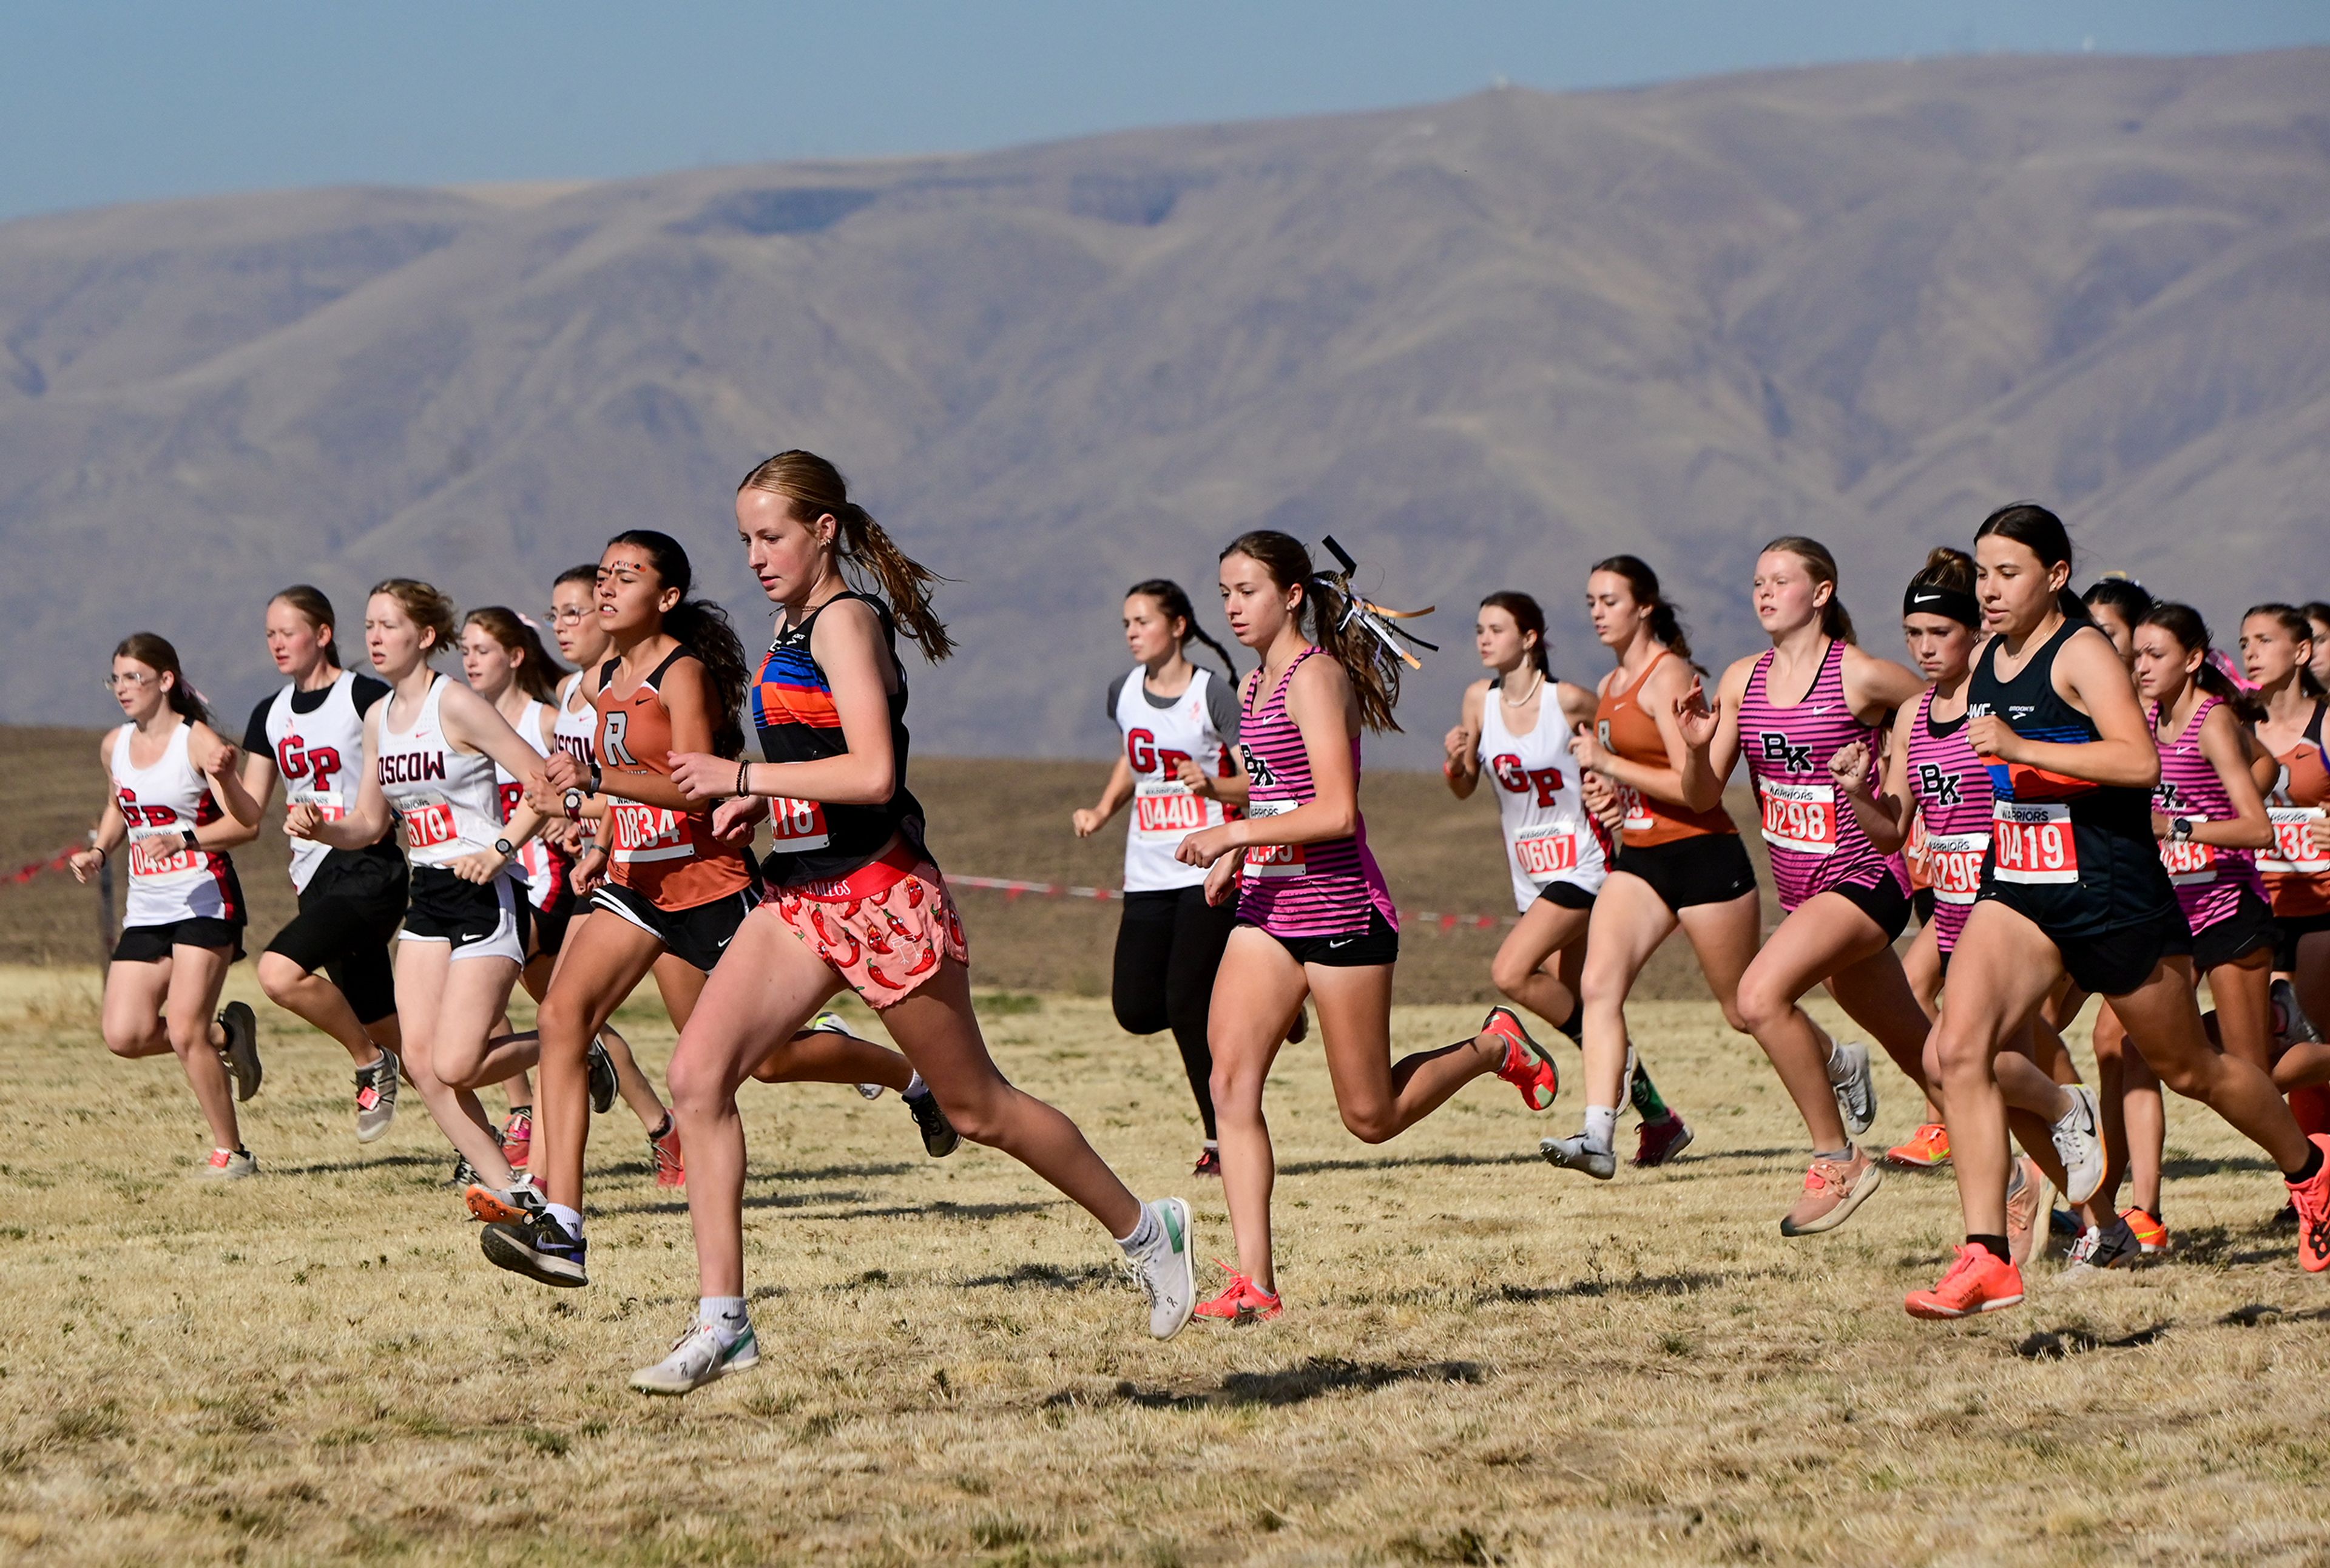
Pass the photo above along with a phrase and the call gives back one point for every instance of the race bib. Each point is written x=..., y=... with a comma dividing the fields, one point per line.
x=2293, y=841
x=646, y=833
x=1272, y=861
x=1166, y=808
x=796, y=825
x=1546, y=854
x=330, y=804
x=1800, y=817
x=2034, y=842
x=2190, y=865
x=1638, y=818
x=426, y=827
x=1953, y=865
x=161, y=852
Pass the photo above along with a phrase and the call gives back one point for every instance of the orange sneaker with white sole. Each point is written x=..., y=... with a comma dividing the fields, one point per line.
x=1240, y=1301
x=2145, y=1227
x=1526, y=1067
x=1928, y=1146
x=1833, y=1189
x=2311, y=1199
x=1977, y=1280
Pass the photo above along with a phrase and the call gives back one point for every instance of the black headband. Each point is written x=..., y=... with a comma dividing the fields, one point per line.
x=1928, y=599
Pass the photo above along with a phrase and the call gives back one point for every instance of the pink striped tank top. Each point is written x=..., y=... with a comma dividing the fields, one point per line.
x=1326, y=889
x=1952, y=788
x=2209, y=878
x=1814, y=846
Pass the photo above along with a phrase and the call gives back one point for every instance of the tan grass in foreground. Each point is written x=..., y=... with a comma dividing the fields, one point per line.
x=1484, y=1360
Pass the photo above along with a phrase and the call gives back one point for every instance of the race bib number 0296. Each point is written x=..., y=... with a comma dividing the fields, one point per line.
x=2034, y=842
x=1953, y=865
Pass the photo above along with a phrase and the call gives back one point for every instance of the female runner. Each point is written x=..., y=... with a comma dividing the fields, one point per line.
x=434, y=744
x=1843, y=901
x=2073, y=884
x=855, y=901
x=1178, y=724
x=1675, y=866
x=329, y=965
x=1556, y=850
x=1314, y=916
x=2276, y=651
x=182, y=923
x=682, y=881
x=2317, y=619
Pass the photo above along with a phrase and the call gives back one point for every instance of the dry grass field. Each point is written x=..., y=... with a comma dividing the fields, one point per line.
x=1484, y=1360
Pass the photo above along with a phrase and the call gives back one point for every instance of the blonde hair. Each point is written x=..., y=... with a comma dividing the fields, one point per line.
x=815, y=489
x=429, y=608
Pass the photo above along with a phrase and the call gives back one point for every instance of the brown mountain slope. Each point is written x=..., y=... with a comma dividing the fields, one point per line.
x=1484, y=342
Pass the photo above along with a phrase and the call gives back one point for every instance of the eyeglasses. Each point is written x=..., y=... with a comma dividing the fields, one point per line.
x=132, y=679
x=566, y=617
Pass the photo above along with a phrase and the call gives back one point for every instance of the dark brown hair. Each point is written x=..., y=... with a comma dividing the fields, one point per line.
x=1374, y=670
x=309, y=601
x=1836, y=623
x=2184, y=622
x=1528, y=616
x=702, y=628
x=2042, y=533
x=1174, y=604
x=2299, y=626
x=815, y=489
x=154, y=651
x=538, y=674
x=1666, y=622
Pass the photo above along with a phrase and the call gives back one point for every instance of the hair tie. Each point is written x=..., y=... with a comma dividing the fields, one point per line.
x=1377, y=618
x=527, y=621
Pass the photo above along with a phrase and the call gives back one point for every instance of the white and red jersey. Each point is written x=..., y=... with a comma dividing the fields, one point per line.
x=575, y=732
x=1165, y=811
x=319, y=752
x=1550, y=835
x=167, y=881
x=449, y=799
x=542, y=866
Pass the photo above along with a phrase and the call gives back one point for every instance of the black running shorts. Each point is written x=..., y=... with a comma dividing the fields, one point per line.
x=2247, y=928
x=1565, y=896
x=2289, y=931
x=2114, y=963
x=1378, y=944
x=152, y=943
x=1883, y=901
x=699, y=935
x=1704, y=869
x=348, y=915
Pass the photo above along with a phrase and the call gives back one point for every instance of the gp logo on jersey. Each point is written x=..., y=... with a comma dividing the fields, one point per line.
x=1939, y=786
x=295, y=760
x=1141, y=754
x=1514, y=779
x=1786, y=757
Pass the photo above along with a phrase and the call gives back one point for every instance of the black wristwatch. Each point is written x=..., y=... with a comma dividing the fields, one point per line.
x=597, y=776
x=2180, y=829
x=573, y=801
x=193, y=843
x=505, y=849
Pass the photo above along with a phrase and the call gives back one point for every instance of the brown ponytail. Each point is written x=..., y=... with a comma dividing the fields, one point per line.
x=1529, y=617
x=155, y=651
x=538, y=673
x=815, y=489
x=1174, y=604
x=1836, y=623
x=1374, y=670
x=1642, y=583
x=2184, y=622
x=429, y=610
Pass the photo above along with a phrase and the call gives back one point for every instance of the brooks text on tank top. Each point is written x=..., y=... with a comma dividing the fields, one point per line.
x=2297, y=874
x=668, y=857
x=1952, y=789
x=1324, y=888
x=167, y=881
x=2208, y=878
x=1814, y=845
x=1627, y=730
x=1550, y=835
x=792, y=710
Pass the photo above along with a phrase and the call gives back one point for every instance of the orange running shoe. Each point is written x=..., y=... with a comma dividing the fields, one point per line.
x=2311, y=1199
x=2149, y=1232
x=1240, y=1301
x=1977, y=1281
x=1833, y=1189
x=670, y=1165
x=517, y=1137
x=1526, y=1067
x=2026, y=1191
x=1928, y=1146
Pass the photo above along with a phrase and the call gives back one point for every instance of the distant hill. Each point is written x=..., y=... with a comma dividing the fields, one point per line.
x=1484, y=342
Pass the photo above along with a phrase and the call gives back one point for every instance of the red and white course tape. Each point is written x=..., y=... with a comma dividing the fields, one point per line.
x=1013, y=889
x=56, y=863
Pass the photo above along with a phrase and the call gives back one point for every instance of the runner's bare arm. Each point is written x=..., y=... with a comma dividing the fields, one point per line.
x=2250, y=827
x=367, y=820
x=1089, y=819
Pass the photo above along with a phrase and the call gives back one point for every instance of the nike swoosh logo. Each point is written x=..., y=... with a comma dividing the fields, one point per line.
x=1924, y=598
x=1821, y=708
x=1340, y=942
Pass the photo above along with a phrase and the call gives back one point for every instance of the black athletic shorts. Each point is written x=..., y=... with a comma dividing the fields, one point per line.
x=1883, y=902
x=2247, y=928
x=477, y=920
x=1704, y=869
x=1379, y=944
x=699, y=935
x=2287, y=931
x=152, y=943
x=1565, y=896
x=2114, y=963
x=544, y=931
x=1921, y=904
x=348, y=915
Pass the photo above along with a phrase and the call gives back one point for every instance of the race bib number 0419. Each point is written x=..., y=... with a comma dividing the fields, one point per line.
x=2034, y=842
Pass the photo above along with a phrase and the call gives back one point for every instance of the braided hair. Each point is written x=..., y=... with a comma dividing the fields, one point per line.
x=1174, y=604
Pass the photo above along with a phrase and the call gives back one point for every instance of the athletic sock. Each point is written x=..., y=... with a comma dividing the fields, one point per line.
x=1643, y=1095
x=1843, y=1156
x=915, y=1088
x=1994, y=1245
x=2309, y=1170
x=1601, y=1128
x=569, y=1220
x=1575, y=1024
x=1144, y=1234
x=1214, y=1145
x=725, y=1315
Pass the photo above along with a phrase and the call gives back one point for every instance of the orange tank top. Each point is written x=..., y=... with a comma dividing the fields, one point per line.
x=1627, y=730
x=668, y=857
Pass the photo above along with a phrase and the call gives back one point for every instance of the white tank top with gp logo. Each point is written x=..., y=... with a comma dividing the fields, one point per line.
x=1166, y=810
x=449, y=799
x=321, y=757
x=167, y=881
x=1550, y=835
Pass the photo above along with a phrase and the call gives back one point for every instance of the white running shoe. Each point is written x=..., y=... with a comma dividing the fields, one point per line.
x=697, y=1357
x=376, y=1096
x=1575, y=1154
x=1165, y=1271
x=2079, y=1140
x=1855, y=1088
x=228, y=1166
x=831, y=1022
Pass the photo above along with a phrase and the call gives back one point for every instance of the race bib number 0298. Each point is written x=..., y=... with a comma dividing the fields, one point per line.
x=2034, y=842
x=1800, y=817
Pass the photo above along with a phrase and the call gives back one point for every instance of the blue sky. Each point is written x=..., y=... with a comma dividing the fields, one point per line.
x=103, y=102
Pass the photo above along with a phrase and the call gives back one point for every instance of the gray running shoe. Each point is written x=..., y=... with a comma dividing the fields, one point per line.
x=697, y=1357
x=1856, y=1090
x=376, y=1096
x=224, y=1167
x=939, y=1138
x=603, y=1077
x=1164, y=1269
x=241, y=1051
x=2080, y=1140
x=1575, y=1154
x=2100, y=1250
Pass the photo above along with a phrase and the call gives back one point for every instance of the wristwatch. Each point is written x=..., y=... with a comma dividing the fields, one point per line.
x=573, y=801
x=193, y=843
x=2180, y=829
x=505, y=849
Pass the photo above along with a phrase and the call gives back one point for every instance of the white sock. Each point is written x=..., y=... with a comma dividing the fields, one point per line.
x=1144, y=1235
x=915, y=1088
x=1214, y=1145
x=1601, y=1128
x=570, y=1220
x=725, y=1315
